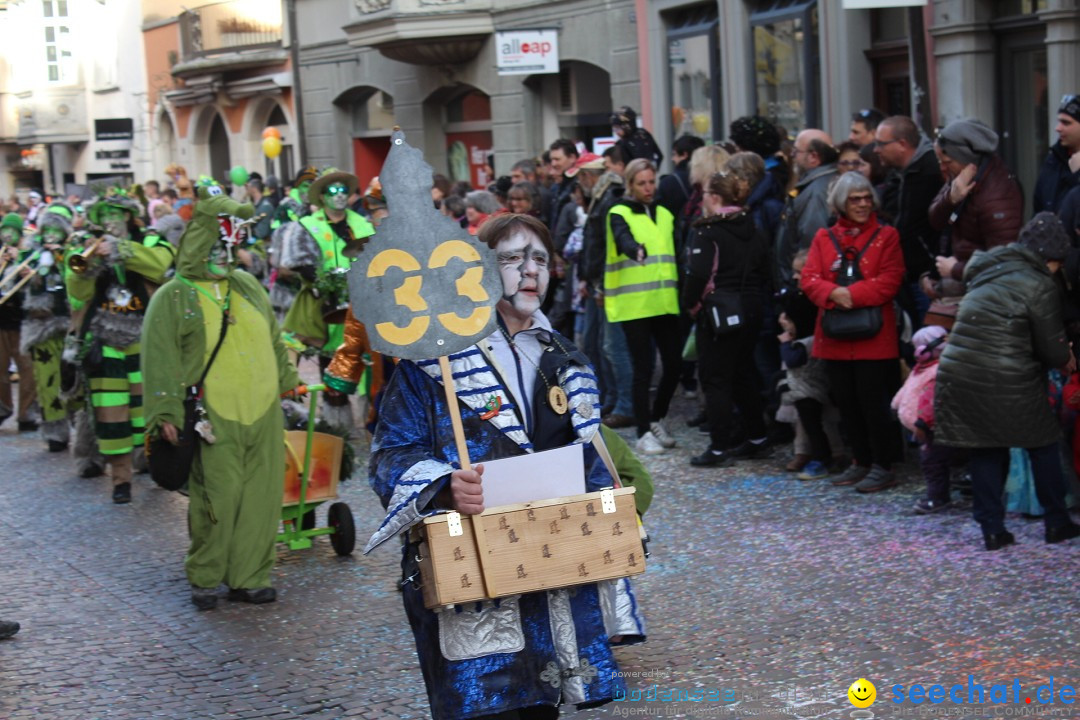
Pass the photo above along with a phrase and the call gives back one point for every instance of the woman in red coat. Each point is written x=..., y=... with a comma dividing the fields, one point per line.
x=863, y=374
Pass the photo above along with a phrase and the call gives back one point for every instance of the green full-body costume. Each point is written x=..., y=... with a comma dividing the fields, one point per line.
x=236, y=483
x=47, y=320
x=112, y=296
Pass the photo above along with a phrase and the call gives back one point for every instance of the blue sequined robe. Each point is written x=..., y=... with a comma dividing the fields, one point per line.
x=542, y=648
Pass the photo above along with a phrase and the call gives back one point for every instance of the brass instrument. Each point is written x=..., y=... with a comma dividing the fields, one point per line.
x=80, y=263
x=14, y=273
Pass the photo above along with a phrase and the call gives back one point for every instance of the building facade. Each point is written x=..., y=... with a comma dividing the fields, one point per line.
x=72, y=95
x=430, y=67
x=219, y=75
x=687, y=67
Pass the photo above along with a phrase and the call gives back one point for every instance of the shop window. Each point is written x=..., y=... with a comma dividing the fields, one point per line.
x=786, y=68
x=694, y=72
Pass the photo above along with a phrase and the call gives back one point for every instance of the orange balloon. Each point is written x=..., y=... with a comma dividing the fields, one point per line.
x=271, y=147
x=677, y=116
x=271, y=132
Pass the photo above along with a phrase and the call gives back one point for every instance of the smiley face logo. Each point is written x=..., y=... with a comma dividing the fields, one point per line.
x=862, y=693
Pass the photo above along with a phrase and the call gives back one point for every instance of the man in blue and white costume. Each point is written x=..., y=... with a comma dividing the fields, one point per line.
x=523, y=389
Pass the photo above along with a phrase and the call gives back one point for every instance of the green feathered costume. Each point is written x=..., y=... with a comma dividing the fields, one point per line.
x=236, y=483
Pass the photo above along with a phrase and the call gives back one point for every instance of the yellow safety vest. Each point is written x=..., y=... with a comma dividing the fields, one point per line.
x=634, y=290
x=331, y=246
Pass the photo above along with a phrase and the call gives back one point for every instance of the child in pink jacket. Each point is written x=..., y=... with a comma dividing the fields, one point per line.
x=914, y=405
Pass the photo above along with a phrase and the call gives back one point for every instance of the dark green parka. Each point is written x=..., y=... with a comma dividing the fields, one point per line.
x=992, y=385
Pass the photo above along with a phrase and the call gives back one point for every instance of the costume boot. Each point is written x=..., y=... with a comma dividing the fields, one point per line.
x=89, y=462
x=121, y=476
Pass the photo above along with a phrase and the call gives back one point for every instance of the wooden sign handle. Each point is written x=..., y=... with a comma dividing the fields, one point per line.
x=463, y=459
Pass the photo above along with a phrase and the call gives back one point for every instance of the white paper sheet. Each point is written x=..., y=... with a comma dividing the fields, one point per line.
x=536, y=476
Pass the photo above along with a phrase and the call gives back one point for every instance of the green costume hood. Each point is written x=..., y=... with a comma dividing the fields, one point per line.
x=13, y=221
x=216, y=219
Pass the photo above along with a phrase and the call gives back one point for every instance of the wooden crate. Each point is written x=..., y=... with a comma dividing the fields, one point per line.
x=540, y=545
x=326, y=451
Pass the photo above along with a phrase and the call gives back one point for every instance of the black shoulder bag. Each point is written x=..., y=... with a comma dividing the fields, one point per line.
x=858, y=323
x=170, y=465
x=723, y=308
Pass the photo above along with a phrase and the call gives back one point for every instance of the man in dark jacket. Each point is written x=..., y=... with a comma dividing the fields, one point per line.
x=635, y=142
x=564, y=155
x=674, y=189
x=1061, y=170
x=981, y=207
x=991, y=384
x=806, y=210
x=900, y=145
x=602, y=190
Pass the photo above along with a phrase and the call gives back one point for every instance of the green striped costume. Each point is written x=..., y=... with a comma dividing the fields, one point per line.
x=137, y=265
x=116, y=396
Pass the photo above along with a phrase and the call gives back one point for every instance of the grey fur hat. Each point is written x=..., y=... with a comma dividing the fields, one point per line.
x=967, y=141
x=58, y=215
x=1045, y=235
x=171, y=227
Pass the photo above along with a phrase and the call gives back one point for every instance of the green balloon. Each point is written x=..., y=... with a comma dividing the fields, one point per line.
x=238, y=175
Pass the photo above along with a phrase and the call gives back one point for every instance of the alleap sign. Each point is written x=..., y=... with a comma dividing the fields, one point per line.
x=527, y=52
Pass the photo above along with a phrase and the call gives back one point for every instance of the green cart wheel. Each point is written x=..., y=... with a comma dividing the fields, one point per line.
x=340, y=519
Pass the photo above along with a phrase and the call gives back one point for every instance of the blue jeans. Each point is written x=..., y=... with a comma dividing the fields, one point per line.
x=618, y=354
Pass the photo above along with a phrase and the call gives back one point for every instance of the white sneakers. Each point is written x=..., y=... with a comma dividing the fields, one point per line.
x=647, y=444
x=661, y=433
x=656, y=441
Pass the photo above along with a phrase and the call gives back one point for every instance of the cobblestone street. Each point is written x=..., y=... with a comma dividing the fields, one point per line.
x=772, y=594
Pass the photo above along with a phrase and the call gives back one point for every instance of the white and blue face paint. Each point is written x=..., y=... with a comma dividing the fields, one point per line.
x=524, y=267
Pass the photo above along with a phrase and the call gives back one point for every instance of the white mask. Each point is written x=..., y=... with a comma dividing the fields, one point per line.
x=523, y=264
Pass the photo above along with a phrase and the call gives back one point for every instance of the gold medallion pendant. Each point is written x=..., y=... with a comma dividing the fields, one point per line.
x=557, y=400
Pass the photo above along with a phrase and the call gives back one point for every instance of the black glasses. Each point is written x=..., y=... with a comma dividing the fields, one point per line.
x=883, y=143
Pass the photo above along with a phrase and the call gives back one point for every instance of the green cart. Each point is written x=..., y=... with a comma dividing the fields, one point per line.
x=311, y=479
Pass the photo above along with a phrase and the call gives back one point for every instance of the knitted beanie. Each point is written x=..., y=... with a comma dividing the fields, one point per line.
x=755, y=134
x=1045, y=235
x=967, y=141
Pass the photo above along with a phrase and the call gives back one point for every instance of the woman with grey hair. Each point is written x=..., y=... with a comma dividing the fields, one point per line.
x=857, y=265
x=479, y=206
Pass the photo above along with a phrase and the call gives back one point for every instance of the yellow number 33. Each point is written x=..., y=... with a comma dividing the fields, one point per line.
x=408, y=293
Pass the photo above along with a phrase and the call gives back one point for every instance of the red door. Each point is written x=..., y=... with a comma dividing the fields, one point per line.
x=369, y=154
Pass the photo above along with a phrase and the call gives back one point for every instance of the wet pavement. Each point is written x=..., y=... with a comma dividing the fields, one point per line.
x=765, y=596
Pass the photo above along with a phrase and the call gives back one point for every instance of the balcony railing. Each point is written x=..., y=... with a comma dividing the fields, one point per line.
x=225, y=27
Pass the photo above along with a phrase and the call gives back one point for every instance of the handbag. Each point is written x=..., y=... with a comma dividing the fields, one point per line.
x=856, y=323
x=170, y=465
x=723, y=309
